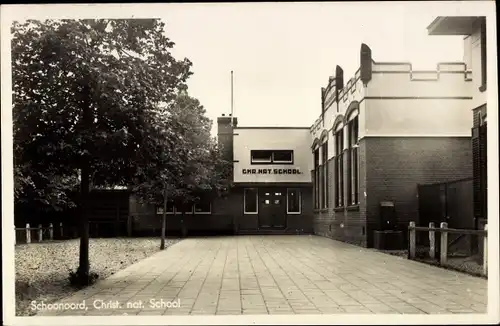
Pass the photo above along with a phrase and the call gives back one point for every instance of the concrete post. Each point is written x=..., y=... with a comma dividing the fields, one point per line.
x=28, y=233
x=444, y=243
x=432, y=241
x=40, y=233
x=413, y=240
x=51, y=231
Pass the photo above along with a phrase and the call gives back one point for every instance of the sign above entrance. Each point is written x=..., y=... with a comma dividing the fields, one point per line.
x=271, y=171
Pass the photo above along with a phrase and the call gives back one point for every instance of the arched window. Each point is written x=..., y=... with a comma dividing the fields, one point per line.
x=323, y=177
x=352, y=124
x=315, y=175
x=339, y=164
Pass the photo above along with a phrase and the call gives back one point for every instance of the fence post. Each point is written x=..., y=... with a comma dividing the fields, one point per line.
x=51, y=231
x=432, y=241
x=413, y=240
x=444, y=243
x=61, y=228
x=40, y=233
x=485, y=250
x=28, y=233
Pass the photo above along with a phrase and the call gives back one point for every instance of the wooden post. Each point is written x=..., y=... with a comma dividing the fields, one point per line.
x=485, y=250
x=444, y=243
x=51, y=231
x=40, y=233
x=432, y=241
x=28, y=233
x=61, y=229
x=413, y=240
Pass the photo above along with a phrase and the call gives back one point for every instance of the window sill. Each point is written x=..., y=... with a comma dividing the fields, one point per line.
x=353, y=208
x=482, y=88
x=339, y=209
x=324, y=210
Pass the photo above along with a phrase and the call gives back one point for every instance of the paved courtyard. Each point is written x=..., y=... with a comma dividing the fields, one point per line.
x=278, y=275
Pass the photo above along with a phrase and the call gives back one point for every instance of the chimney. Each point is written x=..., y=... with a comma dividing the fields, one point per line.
x=225, y=127
x=366, y=64
x=339, y=77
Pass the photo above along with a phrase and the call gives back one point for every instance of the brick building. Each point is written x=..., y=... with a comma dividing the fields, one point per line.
x=474, y=31
x=379, y=135
x=271, y=186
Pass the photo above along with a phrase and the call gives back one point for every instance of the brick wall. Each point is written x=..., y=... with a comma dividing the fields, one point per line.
x=227, y=217
x=390, y=169
x=394, y=167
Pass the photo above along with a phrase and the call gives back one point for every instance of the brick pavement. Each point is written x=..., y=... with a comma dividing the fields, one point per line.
x=279, y=275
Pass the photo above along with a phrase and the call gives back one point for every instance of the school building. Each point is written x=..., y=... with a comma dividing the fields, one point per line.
x=355, y=171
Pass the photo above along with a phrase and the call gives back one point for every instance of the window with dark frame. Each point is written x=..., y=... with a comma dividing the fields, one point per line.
x=203, y=205
x=339, y=168
x=293, y=201
x=261, y=156
x=187, y=208
x=316, y=179
x=283, y=156
x=271, y=156
x=250, y=200
x=324, y=177
x=353, y=172
x=170, y=208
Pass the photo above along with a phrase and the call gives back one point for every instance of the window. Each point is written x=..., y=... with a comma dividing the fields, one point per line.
x=187, y=208
x=282, y=156
x=353, y=144
x=483, y=55
x=271, y=156
x=324, y=177
x=339, y=169
x=316, y=179
x=293, y=201
x=261, y=156
x=203, y=206
x=250, y=199
x=170, y=208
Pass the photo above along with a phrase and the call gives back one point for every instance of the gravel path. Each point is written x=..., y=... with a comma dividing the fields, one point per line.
x=42, y=269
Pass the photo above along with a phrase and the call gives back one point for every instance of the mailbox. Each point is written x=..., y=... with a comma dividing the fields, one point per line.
x=387, y=217
x=388, y=237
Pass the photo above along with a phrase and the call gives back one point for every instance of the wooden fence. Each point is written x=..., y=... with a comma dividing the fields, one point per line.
x=38, y=234
x=443, y=231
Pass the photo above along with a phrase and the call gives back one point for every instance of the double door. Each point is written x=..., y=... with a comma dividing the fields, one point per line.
x=272, y=208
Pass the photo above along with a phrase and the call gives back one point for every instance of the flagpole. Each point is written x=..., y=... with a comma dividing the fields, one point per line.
x=232, y=101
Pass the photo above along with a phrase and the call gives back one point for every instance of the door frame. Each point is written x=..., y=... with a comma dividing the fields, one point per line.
x=267, y=214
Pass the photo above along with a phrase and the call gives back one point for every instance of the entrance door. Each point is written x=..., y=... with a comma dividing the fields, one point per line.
x=272, y=205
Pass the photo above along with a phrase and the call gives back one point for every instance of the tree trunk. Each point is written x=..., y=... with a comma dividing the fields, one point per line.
x=83, y=272
x=84, y=267
x=164, y=220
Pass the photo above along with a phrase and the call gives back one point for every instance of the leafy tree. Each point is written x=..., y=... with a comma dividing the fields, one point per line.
x=191, y=164
x=85, y=98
